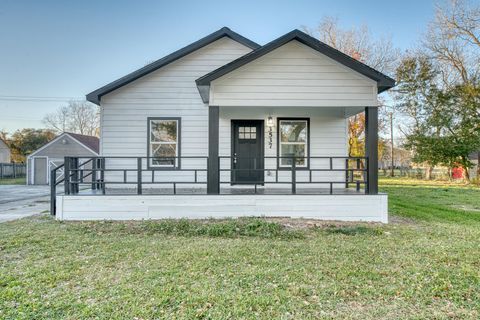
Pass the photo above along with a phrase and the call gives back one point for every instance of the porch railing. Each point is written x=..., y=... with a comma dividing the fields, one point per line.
x=354, y=171
x=120, y=175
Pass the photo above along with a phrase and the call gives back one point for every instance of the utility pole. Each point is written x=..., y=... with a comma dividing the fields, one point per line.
x=392, y=171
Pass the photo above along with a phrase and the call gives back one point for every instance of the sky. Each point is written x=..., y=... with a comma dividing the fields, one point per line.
x=55, y=51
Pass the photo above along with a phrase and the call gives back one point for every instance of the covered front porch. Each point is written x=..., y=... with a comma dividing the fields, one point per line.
x=257, y=179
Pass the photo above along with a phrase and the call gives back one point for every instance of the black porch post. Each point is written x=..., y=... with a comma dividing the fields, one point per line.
x=371, y=148
x=213, y=177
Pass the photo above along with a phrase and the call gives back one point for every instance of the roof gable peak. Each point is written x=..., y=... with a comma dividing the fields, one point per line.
x=95, y=96
x=383, y=82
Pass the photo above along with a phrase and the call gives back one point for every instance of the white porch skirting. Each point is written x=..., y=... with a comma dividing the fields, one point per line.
x=138, y=207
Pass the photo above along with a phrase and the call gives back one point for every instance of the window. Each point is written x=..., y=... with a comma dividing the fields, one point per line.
x=163, y=142
x=245, y=133
x=293, y=141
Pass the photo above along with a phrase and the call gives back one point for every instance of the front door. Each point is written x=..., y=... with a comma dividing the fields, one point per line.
x=247, y=151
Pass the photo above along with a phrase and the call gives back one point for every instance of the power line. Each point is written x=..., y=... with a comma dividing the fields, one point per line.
x=38, y=98
x=20, y=118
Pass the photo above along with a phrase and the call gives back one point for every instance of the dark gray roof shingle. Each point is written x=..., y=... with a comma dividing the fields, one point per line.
x=89, y=141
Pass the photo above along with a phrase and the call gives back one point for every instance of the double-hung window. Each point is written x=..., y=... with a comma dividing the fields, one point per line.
x=293, y=136
x=164, y=142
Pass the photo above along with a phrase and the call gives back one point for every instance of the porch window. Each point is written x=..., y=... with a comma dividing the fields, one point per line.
x=293, y=136
x=164, y=142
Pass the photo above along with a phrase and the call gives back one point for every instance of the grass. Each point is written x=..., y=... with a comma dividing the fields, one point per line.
x=425, y=265
x=12, y=181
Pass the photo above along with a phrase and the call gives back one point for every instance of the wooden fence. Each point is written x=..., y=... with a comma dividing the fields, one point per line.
x=12, y=170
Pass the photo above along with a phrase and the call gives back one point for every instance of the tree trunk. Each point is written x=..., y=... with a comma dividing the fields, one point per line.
x=478, y=167
x=391, y=140
x=466, y=169
x=466, y=174
x=428, y=173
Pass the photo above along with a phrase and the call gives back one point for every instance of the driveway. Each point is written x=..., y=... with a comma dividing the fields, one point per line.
x=19, y=201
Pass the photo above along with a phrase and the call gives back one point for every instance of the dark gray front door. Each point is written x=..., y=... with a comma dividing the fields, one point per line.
x=247, y=151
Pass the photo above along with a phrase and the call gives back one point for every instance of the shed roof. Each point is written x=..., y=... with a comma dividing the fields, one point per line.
x=90, y=142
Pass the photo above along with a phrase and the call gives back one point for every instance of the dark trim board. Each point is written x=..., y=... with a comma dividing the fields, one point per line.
x=383, y=82
x=95, y=96
x=179, y=144
x=213, y=175
x=371, y=148
x=278, y=143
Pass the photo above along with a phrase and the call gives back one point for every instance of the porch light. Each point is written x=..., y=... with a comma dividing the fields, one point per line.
x=270, y=121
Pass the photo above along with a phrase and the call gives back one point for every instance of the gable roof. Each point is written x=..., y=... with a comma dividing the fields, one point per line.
x=383, y=82
x=89, y=142
x=96, y=95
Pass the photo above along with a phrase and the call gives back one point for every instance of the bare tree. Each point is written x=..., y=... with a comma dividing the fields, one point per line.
x=85, y=117
x=453, y=42
x=358, y=43
x=78, y=117
x=58, y=120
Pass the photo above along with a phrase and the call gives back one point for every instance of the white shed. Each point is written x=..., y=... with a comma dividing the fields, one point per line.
x=52, y=154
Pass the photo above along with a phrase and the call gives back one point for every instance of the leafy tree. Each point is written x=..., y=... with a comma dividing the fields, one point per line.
x=356, y=135
x=25, y=141
x=444, y=121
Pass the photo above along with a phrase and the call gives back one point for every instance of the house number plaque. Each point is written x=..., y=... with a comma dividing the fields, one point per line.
x=270, y=137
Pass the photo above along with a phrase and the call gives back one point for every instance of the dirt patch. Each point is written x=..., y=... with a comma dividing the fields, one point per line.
x=466, y=208
x=400, y=220
x=299, y=224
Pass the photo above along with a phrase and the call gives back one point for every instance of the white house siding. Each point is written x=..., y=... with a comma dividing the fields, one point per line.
x=293, y=75
x=328, y=138
x=168, y=92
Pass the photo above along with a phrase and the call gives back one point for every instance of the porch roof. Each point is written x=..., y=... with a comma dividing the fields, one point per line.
x=383, y=81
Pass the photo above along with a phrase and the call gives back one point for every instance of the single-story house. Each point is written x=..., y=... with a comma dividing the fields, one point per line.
x=225, y=127
x=5, y=154
x=52, y=154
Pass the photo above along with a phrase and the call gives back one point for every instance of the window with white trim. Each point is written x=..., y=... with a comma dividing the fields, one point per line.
x=293, y=142
x=163, y=142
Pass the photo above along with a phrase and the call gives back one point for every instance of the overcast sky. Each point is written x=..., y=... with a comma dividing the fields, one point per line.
x=53, y=51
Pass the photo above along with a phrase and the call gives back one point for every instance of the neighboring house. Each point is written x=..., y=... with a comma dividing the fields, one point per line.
x=52, y=154
x=226, y=127
x=5, y=154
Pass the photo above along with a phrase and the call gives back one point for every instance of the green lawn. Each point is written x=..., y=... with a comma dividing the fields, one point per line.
x=13, y=181
x=424, y=265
